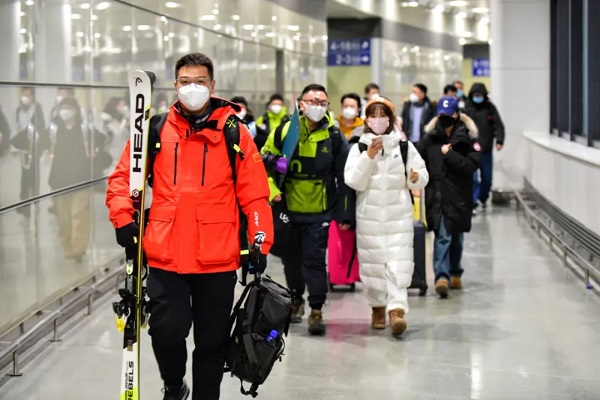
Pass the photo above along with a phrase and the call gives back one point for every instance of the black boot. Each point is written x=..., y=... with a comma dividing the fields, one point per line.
x=176, y=392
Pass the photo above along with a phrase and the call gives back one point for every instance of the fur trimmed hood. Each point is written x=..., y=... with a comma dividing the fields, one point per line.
x=465, y=119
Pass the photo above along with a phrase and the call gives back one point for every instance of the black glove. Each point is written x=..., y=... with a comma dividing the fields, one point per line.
x=126, y=235
x=257, y=260
x=258, y=263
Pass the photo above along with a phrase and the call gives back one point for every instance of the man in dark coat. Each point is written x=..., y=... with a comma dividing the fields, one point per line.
x=451, y=156
x=417, y=113
x=490, y=127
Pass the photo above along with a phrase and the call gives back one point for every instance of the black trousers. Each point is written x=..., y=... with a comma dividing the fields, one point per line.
x=176, y=301
x=304, y=262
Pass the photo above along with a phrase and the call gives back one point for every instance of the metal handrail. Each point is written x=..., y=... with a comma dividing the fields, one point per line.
x=568, y=251
x=84, y=294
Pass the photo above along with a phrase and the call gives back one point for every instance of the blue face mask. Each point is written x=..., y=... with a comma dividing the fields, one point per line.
x=477, y=100
x=460, y=94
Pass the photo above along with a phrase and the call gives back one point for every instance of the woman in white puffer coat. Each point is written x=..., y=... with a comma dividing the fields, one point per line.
x=384, y=214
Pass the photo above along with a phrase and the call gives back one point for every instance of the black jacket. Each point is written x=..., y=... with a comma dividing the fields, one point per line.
x=450, y=189
x=70, y=164
x=486, y=117
x=407, y=120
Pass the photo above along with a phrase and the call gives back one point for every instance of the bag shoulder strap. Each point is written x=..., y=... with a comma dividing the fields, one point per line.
x=278, y=136
x=336, y=140
x=157, y=122
x=404, y=155
x=232, y=140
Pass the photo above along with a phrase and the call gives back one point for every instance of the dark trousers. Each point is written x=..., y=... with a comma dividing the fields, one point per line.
x=176, y=301
x=304, y=262
x=486, y=168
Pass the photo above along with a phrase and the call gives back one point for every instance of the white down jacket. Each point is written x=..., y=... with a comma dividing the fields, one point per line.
x=384, y=216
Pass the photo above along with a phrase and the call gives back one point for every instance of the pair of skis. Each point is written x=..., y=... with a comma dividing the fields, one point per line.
x=130, y=310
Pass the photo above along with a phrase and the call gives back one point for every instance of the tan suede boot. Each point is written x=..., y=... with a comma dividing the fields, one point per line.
x=455, y=283
x=397, y=321
x=378, y=318
x=441, y=288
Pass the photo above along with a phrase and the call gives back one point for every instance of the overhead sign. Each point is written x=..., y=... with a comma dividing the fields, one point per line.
x=481, y=67
x=354, y=52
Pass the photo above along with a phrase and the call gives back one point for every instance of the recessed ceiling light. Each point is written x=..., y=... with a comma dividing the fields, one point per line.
x=166, y=38
x=143, y=27
x=127, y=28
x=235, y=17
x=324, y=37
x=29, y=3
x=217, y=27
x=85, y=6
x=23, y=30
x=458, y=3
x=208, y=18
x=480, y=10
x=94, y=17
x=75, y=16
x=294, y=28
x=467, y=34
x=248, y=27
x=97, y=35
x=462, y=41
x=171, y=4
x=79, y=34
x=274, y=18
x=410, y=4
x=216, y=11
x=163, y=18
x=260, y=27
x=270, y=34
x=103, y=6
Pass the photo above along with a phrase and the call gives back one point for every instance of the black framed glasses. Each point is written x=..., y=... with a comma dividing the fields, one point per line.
x=317, y=103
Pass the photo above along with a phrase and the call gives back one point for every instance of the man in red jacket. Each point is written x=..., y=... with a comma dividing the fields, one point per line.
x=192, y=241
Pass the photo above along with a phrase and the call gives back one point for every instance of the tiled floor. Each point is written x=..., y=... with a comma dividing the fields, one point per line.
x=523, y=328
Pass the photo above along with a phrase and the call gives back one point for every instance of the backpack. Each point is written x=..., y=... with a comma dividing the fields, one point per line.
x=259, y=324
x=232, y=140
x=403, y=153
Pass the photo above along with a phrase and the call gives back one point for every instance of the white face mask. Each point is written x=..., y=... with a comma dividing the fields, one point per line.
x=193, y=96
x=315, y=113
x=66, y=114
x=378, y=124
x=349, y=113
x=25, y=100
x=413, y=98
x=276, y=108
x=241, y=114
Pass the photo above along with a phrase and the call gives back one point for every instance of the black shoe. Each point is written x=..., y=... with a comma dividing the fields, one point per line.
x=176, y=392
x=297, y=310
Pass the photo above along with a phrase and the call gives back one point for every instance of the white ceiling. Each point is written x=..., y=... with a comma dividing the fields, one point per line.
x=469, y=7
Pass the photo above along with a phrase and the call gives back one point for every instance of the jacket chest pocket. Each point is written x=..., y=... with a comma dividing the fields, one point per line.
x=218, y=239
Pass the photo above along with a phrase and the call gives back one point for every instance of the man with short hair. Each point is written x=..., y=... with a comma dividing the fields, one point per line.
x=192, y=240
x=315, y=195
x=275, y=115
x=460, y=94
x=350, y=122
x=450, y=90
x=417, y=113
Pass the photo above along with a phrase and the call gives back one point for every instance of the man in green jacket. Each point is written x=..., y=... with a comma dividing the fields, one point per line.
x=315, y=196
x=276, y=114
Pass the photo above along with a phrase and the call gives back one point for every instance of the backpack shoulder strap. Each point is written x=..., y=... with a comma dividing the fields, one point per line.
x=362, y=147
x=277, y=138
x=232, y=140
x=336, y=140
x=157, y=122
x=231, y=132
x=404, y=155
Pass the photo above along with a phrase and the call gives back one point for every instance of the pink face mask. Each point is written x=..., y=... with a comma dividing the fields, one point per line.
x=378, y=124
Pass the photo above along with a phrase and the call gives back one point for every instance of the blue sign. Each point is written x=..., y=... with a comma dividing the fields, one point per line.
x=349, y=52
x=481, y=67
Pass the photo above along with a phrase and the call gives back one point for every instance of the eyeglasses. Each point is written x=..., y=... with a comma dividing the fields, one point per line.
x=316, y=103
x=200, y=80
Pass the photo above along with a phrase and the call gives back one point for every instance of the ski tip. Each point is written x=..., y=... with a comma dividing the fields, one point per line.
x=152, y=77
